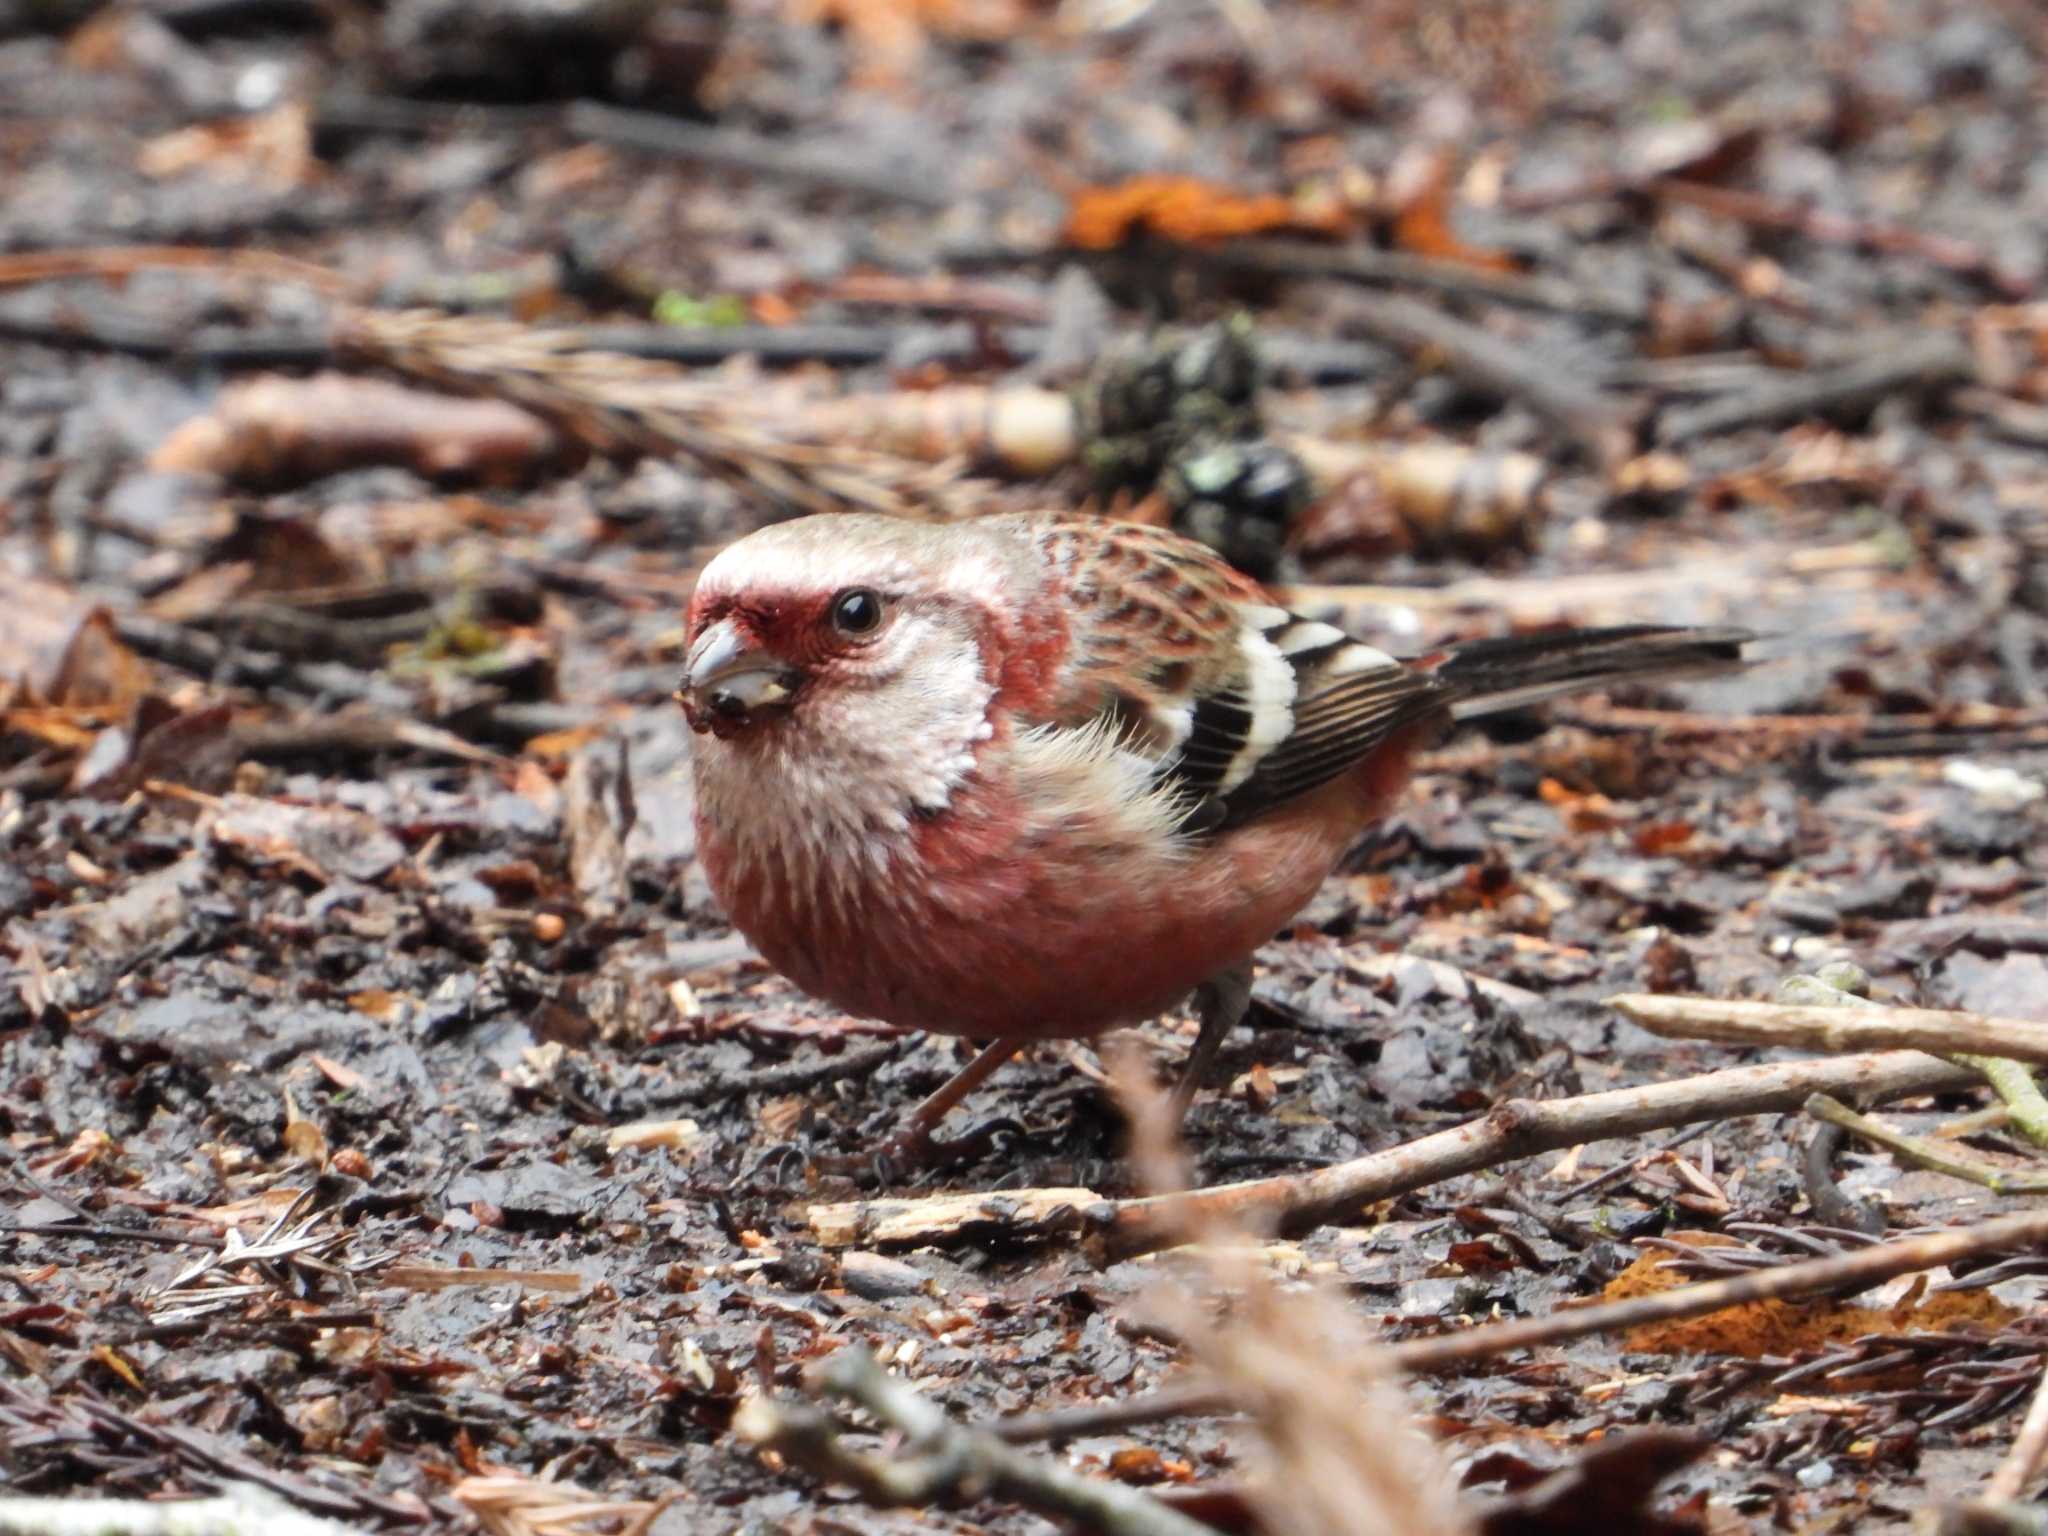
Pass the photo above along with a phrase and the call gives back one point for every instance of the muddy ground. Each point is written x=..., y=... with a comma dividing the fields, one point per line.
x=346, y=817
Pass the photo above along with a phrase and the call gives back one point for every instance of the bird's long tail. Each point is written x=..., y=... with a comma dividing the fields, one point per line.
x=1485, y=676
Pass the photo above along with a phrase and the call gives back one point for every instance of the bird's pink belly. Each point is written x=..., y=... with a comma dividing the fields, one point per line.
x=1043, y=946
x=1043, y=935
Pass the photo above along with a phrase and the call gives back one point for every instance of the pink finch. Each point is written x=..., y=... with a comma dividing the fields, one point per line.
x=1036, y=777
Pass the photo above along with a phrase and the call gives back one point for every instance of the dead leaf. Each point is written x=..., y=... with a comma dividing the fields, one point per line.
x=97, y=670
x=274, y=148
x=274, y=430
x=1183, y=210
x=1419, y=190
x=1763, y=1328
x=302, y=1138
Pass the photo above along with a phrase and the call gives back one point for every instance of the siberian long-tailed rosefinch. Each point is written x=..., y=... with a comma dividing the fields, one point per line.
x=1038, y=777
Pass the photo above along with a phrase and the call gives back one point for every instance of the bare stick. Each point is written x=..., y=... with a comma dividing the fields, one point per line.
x=1805, y=1027
x=1923, y=363
x=1487, y=362
x=1827, y=227
x=1522, y=1128
x=1010, y=1215
x=1933, y=1155
x=240, y=1509
x=1848, y=1271
x=1399, y=269
x=1998, y=1049
x=2023, y=1461
x=2013, y=1081
x=1864, y=1267
x=837, y=169
x=1177, y=1400
x=943, y=1458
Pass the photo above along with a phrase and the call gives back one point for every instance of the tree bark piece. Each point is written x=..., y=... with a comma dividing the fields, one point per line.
x=1810, y=1028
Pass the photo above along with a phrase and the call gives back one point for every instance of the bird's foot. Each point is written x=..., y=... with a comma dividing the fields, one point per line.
x=915, y=1151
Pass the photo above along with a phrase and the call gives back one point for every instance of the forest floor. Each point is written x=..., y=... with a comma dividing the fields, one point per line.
x=348, y=900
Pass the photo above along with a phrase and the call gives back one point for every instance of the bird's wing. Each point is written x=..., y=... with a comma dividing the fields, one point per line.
x=1241, y=704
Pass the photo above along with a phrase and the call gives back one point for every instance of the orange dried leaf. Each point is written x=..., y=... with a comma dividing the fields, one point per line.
x=98, y=669
x=1424, y=228
x=71, y=729
x=563, y=744
x=376, y=1003
x=1786, y=1327
x=107, y=1356
x=1182, y=209
x=1662, y=836
x=302, y=1138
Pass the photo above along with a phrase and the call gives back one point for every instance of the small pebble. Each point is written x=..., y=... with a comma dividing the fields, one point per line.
x=1816, y=1474
x=2001, y=786
x=875, y=1277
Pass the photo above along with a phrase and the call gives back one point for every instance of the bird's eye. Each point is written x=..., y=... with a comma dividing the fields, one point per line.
x=857, y=611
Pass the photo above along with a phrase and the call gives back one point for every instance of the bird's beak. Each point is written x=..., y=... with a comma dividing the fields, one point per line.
x=727, y=682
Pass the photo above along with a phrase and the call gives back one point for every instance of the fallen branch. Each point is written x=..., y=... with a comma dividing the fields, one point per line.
x=1811, y=1028
x=440, y=1277
x=241, y=1509
x=1400, y=269
x=1517, y=1129
x=1997, y=1049
x=1011, y=1215
x=839, y=169
x=1487, y=362
x=1899, y=734
x=2023, y=1462
x=1922, y=363
x=942, y=1459
x=1827, y=227
x=120, y=263
x=1937, y=1157
x=1837, y=1272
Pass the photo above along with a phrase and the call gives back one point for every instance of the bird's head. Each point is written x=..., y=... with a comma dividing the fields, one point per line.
x=850, y=624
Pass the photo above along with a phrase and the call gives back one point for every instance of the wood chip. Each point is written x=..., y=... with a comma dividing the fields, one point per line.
x=436, y=1277
x=943, y=1218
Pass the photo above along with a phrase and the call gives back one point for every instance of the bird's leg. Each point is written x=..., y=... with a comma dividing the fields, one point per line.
x=1220, y=1003
x=917, y=1130
x=913, y=1145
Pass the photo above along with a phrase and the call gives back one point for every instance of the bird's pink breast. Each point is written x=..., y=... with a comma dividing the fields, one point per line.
x=986, y=926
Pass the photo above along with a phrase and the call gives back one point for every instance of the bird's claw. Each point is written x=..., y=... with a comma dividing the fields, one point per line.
x=915, y=1150
x=779, y=1162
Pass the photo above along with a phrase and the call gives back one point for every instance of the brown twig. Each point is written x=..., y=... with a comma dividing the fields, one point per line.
x=735, y=149
x=1487, y=362
x=1880, y=731
x=1521, y=1128
x=1357, y=264
x=1806, y=1027
x=18, y=269
x=1181, y=1400
x=1827, y=228
x=628, y=406
x=2023, y=1462
x=1913, y=365
x=942, y=1459
x=1934, y=1155
x=1844, y=1272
